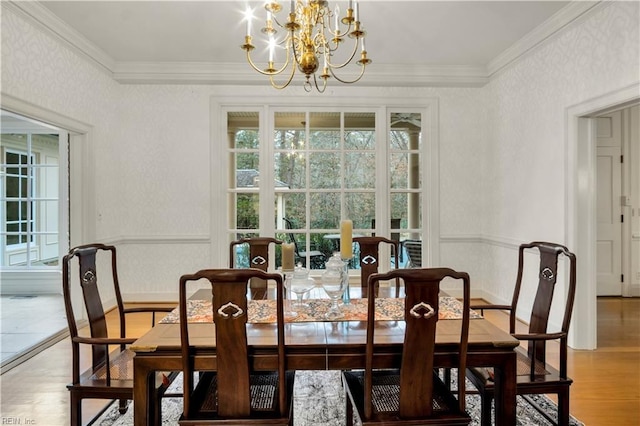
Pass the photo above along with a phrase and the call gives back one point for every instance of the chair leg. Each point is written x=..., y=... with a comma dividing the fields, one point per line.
x=349, y=412
x=563, y=408
x=76, y=410
x=447, y=378
x=485, y=402
x=123, y=405
x=156, y=408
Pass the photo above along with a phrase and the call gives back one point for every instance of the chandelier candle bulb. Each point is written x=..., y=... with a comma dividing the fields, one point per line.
x=287, y=257
x=271, y=42
x=346, y=239
x=248, y=16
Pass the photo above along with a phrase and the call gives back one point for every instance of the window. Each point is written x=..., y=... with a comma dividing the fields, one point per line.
x=303, y=171
x=19, y=184
x=29, y=191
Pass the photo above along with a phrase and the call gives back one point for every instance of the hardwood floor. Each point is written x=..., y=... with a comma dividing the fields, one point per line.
x=606, y=388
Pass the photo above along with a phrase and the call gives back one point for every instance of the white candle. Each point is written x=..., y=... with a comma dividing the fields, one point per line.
x=357, y=11
x=346, y=239
x=364, y=49
x=271, y=43
x=293, y=8
x=337, y=12
x=287, y=256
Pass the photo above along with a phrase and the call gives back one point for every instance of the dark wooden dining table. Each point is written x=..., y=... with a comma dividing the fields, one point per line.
x=323, y=345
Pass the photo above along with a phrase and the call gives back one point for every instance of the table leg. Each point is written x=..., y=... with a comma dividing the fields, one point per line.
x=505, y=390
x=142, y=389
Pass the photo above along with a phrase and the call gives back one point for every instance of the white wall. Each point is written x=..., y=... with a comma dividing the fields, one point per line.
x=526, y=160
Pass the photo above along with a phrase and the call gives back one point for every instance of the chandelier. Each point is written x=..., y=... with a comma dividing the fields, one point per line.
x=312, y=33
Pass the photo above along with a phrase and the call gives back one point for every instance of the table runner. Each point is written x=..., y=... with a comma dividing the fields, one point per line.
x=263, y=311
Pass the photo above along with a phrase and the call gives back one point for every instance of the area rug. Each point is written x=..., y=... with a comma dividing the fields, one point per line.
x=319, y=401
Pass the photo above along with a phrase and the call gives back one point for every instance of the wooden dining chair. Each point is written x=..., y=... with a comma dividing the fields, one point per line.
x=534, y=374
x=414, y=394
x=370, y=258
x=258, y=258
x=111, y=373
x=244, y=389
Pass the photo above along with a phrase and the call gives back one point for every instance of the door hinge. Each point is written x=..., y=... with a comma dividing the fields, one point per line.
x=621, y=218
x=622, y=158
x=622, y=278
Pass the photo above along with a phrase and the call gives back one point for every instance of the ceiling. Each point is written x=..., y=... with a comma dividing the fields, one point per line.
x=200, y=40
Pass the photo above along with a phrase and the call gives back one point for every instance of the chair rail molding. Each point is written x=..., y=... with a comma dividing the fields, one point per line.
x=158, y=239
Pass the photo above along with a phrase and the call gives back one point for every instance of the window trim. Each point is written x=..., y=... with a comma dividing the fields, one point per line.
x=430, y=206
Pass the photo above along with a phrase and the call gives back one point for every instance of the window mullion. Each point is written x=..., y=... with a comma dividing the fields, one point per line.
x=267, y=185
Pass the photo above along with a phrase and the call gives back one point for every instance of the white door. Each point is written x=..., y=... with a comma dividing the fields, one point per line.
x=609, y=211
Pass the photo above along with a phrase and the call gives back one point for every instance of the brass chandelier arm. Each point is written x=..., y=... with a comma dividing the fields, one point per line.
x=362, y=68
x=268, y=71
x=347, y=62
x=307, y=84
x=279, y=87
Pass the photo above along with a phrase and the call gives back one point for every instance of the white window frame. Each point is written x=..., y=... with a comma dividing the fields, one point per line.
x=430, y=229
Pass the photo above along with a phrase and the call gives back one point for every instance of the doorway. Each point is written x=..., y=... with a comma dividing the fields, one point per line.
x=581, y=205
x=33, y=230
x=617, y=143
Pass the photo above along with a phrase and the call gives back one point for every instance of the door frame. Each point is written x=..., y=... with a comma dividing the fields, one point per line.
x=580, y=199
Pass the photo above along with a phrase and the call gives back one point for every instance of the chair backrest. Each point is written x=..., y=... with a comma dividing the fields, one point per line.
x=370, y=257
x=87, y=256
x=258, y=258
x=233, y=360
x=541, y=308
x=258, y=251
x=422, y=287
x=414, y=252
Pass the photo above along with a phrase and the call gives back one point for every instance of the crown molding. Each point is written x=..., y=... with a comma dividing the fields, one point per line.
x=242, y=74
x=382, y=75
x=44, y=19
x=548, y=29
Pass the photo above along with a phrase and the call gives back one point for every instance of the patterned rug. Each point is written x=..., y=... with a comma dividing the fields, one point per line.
x=319, y=401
